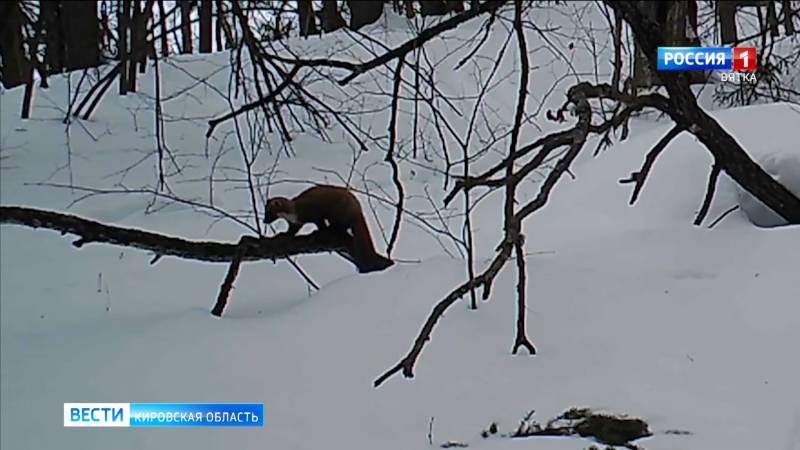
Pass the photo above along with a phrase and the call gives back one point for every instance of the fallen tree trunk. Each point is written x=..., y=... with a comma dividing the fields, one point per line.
x=90, y=231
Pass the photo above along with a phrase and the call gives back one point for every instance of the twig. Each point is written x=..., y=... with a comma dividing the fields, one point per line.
x=641, y=176
x=227, y=284
x=722, y=216
x=712, y=185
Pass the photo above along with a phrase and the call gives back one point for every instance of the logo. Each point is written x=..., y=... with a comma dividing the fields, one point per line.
x=163, y=414
x=744, y=58
x=707, y=58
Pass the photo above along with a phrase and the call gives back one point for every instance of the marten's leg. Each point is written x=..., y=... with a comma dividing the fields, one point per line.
x=292, y=231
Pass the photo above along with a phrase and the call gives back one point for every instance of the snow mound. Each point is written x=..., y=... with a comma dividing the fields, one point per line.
x=784, y=166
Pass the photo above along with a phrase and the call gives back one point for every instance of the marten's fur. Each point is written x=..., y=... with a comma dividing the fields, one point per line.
x=329, y=207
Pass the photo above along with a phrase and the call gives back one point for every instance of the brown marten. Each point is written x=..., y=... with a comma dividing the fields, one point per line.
x=329, y=207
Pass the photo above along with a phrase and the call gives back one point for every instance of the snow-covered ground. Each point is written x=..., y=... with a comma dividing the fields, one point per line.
x=632, y=309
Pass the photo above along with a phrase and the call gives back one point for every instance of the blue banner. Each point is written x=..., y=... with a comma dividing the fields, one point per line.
x=695, y=58
x=163, y=414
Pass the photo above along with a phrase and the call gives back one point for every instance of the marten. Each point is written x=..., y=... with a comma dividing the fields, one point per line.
x=329, y=207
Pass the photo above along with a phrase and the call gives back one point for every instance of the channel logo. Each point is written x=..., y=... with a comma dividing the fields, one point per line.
x=163, y=414
x=707, y=58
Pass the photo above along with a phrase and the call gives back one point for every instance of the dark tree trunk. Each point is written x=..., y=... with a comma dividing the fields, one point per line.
x=162, y=16
x=123, y=27
x=408, y=5
x=205, y=26
x=455, y=5
x=305, y=13
x=72, y=31
x=772, y=19
x=788, y=24
x=15, y=66
x=186, y=26
x=54, y=36
x=33, y=57
x=331, y=18
x=225, y=27
x=82, y=33
x=364, y=13
x=135, y=44
x=218, y=25
x=432, y=7
x=727, y=21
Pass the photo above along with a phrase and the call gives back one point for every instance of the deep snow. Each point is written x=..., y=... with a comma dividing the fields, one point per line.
x=633, y=310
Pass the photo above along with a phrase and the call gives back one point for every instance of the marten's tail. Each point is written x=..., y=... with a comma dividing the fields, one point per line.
x=366, y=258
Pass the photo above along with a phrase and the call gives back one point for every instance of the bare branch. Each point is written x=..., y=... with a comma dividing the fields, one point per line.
x=230, y=277
x=257, y=249
x=641, y=176
x=390, y=158
x=712, y=185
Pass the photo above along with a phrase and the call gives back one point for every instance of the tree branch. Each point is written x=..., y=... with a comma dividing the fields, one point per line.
x=256, y=249
x=641, y=176
x=712, y=186
x=230, y=277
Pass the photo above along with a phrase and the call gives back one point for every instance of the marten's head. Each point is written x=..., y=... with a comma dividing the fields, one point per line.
x=279, y=207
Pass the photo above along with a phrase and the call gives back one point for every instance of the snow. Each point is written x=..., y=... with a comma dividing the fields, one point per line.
x=632, y=309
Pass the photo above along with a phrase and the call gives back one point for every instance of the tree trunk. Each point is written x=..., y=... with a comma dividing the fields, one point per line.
x=162, y=16
x=222, y=20
x=33, y=57
x=72, y=35
x=218, y=25
x=186, y=26
x=54, y=39
x=82, y=33
x=408, y=5
x=135, y=44
x=788, y=24
x=727, y=22
x=305, y=13
x=15, y=66
x=205, y=26
x=364, y=13
x=432, y=7
x=331, y=18
x=772, y=19
x=123, y=26
x=455, y=5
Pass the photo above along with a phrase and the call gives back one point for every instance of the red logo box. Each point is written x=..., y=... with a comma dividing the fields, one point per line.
x=744, y=58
